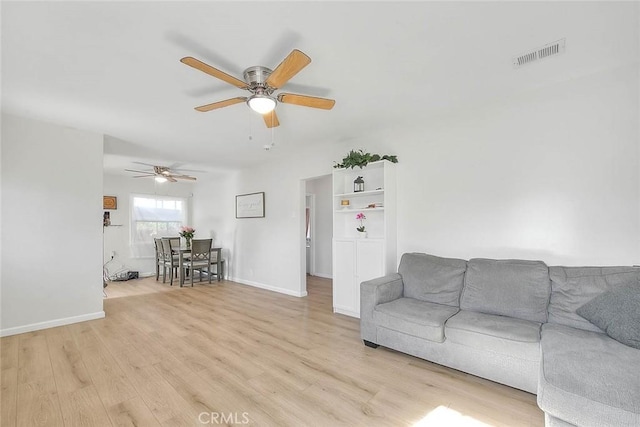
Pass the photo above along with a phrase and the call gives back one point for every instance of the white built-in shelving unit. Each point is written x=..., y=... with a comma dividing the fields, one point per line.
x=356, y=259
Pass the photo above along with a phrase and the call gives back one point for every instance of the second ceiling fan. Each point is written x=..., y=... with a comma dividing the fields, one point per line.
x=161, y=173
x=262, y=82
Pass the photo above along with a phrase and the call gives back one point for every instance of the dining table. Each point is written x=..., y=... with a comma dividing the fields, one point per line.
x=185, y=250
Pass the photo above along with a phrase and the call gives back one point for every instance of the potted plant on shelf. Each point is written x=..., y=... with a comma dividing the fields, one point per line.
x=362, y=233
x=361, y=159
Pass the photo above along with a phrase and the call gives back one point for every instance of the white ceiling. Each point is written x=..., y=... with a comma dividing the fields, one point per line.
x=113, y=67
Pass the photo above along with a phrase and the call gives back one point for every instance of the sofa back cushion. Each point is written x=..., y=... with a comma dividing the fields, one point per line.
x=514, y=288
x=573, y=287
x=432, y=279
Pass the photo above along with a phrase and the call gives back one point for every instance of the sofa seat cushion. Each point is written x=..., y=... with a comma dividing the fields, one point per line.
x=588, y=378
x=513, y=288
x=414, y=317
x=493, y=333
x=432, y=279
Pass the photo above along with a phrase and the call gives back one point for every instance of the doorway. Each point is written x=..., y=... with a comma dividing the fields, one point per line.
x=310, y=221
x=317, y=229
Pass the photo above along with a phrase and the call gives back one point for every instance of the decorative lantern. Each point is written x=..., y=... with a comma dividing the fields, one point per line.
x=358, y=185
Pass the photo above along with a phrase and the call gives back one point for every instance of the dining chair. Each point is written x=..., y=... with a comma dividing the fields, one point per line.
x=214, y=262
x=169, y=260
x=200, y=258
x=157, y=242
x=175, y=243
x=175, y=248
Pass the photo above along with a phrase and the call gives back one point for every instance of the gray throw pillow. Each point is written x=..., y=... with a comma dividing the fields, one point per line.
x=617, y=313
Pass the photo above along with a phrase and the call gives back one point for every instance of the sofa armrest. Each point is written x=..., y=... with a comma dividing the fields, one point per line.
x=374, y=292
x=380, y=290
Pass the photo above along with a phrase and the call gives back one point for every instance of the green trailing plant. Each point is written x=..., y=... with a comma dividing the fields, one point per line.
x=362, y=159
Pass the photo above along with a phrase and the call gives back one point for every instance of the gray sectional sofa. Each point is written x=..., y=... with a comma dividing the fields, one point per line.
x=516, y=322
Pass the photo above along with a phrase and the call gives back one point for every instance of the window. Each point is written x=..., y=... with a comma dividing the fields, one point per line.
x=152, y=217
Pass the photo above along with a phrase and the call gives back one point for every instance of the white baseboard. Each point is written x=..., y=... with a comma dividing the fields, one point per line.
x=268, y=287
x=50, y=324
x=323, y=275
x=346, y=312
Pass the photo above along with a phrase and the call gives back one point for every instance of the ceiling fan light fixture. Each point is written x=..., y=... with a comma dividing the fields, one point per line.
x=262, y=104
x=160, y=179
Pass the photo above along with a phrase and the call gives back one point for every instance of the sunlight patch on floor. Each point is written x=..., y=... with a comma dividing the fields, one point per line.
x=444, y=416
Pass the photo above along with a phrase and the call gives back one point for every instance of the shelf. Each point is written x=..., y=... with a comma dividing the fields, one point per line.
x=378, y=164
x=358, y=239
x=355, y=210
x=357, y=259
x=360, y=193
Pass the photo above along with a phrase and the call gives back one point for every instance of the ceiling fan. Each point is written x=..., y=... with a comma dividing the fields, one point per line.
x=162, y=174
x=262, y=82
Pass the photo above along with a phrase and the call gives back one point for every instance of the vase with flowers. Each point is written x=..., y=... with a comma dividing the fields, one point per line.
x=362, y=232
x=187, y=233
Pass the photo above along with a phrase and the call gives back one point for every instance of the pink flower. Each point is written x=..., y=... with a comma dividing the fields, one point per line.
x=187, y=232
x=360, y=217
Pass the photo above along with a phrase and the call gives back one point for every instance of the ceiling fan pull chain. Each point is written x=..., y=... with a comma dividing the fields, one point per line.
x=273, y=131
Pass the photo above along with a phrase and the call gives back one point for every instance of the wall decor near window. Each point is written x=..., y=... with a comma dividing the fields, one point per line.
x=109, y=202
x=250, y=205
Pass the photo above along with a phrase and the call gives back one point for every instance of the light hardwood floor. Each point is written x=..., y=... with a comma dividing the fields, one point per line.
x=143, y=286
x=227, y=353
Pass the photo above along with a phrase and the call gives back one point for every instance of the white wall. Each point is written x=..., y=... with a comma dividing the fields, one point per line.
x=214, y=213
x=51, y=225
x=323, y=224
x=552, y=174
x=268, y=251
x=118, y=236
x=262, y=252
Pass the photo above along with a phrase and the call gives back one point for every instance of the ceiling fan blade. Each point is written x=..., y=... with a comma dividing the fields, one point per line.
x=220, y=104
x=306, y=101
x=144, y=164
x=136, y=171
x=177, y=169
x=171, y=179
x=271, y=119
x=205, y=68
x=190, y=178
x=288, y=68
x=181, y=171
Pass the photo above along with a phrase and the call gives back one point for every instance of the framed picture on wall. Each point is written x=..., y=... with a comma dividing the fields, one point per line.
x=250, y=205
x=109, y=202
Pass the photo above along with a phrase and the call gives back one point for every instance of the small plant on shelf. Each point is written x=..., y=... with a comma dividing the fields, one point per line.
x=361, y=217
x=362, y=159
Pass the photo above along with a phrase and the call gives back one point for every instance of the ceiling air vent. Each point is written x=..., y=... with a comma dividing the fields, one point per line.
x=551, y=49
